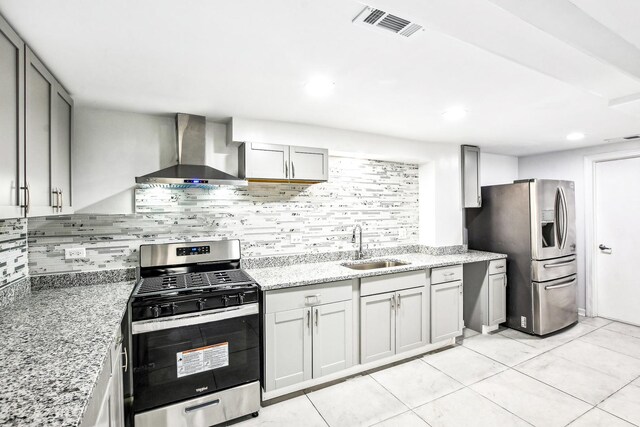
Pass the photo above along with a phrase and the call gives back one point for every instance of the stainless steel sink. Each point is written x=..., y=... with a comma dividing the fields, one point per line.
x=383, y=263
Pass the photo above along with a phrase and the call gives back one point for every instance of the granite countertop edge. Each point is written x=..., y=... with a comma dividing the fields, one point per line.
x=272, y=278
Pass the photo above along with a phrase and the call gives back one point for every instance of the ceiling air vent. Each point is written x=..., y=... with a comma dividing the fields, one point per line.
x=624, y=138
x=379, y=19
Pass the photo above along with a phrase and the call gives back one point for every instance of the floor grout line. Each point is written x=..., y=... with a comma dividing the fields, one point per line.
x=317, y=410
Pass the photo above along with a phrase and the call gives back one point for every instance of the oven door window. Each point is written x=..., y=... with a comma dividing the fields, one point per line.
x=155, y=361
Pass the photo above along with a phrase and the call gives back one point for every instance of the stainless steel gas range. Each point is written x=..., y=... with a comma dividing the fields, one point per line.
x=195, y=343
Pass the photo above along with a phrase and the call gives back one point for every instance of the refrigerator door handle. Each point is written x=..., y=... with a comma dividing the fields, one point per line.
x=560, y=285
x=561, y=217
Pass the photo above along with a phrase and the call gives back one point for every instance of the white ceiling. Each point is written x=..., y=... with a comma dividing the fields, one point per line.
x=529, y=72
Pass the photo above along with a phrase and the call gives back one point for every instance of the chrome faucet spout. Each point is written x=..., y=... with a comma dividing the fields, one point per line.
x=353, y=240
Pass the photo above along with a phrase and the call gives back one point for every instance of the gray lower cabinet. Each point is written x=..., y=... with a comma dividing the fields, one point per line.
x=392, y=323
x=446, y=310
x=106, y=407
x=48, y=135
x=497, y=299
x=11, y=120
x=308, y=333
x=274, y=162
x=287, y=348
x=485, y=295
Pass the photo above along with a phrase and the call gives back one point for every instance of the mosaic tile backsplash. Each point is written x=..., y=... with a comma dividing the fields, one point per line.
x=269, y=219
x=13, y=250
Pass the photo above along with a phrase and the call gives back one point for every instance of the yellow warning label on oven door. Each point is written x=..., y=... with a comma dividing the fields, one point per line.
x=202, y=359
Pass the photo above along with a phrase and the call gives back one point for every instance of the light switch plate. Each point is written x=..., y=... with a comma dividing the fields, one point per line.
x=75, y=253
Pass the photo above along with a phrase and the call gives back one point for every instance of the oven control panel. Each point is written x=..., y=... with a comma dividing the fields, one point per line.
x=193, y=250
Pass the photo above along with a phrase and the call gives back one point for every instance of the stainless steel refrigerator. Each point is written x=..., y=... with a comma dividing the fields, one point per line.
x=534, y=223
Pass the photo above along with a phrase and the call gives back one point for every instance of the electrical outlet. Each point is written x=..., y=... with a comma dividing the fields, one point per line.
x=296, y=238
x=402, y=233
x=75, y=253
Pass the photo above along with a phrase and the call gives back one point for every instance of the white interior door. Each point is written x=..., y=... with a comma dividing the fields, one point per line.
x=617, y=203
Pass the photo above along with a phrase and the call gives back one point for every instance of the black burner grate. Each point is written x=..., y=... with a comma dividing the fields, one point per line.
x=218, y=278
x=192, y=280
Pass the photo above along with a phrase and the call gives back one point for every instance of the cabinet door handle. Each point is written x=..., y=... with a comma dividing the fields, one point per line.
x=308, y=318
x=317, y=317
x=126, y=359
x=398, y=300
x=449, y=274
x=393, y=302
x=61, y=199
x=55, y=204
x=293, y=170
x=499, y=267
x=27, y=198
x=286, y=170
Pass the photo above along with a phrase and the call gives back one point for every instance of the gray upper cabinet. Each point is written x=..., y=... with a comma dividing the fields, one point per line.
x=62, y=127
x=11, y=120
x=471, y=177
x=263, y=161
x=48, y=134
x=309, y=164
x=273, y=162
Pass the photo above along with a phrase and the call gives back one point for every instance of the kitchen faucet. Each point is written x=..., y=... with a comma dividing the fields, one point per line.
x=353, y=240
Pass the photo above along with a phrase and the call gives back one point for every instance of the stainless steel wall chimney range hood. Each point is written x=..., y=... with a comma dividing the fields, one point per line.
x=190, y=169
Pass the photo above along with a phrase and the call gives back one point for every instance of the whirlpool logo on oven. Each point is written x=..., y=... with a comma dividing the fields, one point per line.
x=201, y=389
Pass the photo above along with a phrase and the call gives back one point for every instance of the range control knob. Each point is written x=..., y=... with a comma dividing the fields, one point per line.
x=201, y=304
x=241, y=298
x=225, y=300
x=155, y=311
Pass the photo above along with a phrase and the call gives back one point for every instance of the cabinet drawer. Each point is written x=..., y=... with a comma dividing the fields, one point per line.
x=446, y=274
x=498, y=266
x=392, y=282
x=307, y=296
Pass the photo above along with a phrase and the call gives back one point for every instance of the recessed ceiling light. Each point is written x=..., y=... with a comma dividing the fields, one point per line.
x=575, y=136
x=454, y=113
x=319, y=86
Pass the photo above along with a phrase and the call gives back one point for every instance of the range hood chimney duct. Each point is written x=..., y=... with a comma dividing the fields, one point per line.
x=191, y=168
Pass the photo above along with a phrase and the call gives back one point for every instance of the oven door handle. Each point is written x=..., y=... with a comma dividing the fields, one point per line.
x=190, y=319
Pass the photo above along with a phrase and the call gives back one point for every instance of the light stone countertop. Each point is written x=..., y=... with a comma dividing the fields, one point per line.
x=54, y=343
x=321, y=272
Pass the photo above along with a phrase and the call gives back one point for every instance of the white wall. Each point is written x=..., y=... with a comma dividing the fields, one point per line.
x=569, y=165
x=497, y=169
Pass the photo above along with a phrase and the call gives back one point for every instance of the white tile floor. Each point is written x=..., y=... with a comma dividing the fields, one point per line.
x=588, y=375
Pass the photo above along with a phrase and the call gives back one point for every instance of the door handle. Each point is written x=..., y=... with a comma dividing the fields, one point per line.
x=286, y=170
x=560, y=264
x=61, y=200
x=560, y=285
x=202, y=405
x=398, y=300
x=603, y=247
x=317, y=316
x=293, y=170
x=393, y=302
x=308, y=318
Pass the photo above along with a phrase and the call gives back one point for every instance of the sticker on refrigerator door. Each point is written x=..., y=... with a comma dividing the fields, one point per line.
x=202, y=359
